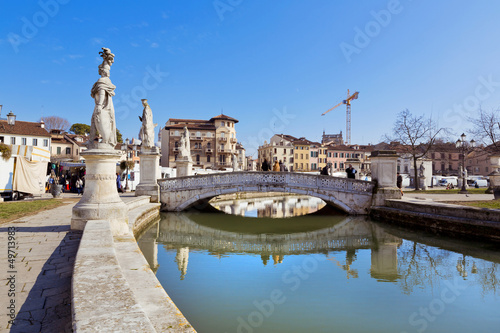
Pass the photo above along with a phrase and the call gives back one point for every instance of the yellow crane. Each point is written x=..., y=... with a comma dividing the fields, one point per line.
x=347, y=102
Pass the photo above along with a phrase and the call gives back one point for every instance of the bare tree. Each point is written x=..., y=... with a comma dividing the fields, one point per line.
x=417, y=135
x=56, y=123
x=486, y=129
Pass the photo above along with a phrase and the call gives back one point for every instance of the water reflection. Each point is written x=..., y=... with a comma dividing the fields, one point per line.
x=218, y=265
x=278, y=207
x=210, y=232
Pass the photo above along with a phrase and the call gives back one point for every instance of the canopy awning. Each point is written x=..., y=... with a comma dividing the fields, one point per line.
x=72, y=164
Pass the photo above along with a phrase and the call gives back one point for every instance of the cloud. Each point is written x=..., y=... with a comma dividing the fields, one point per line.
x=97, y=41
x=155, y=45
x=75, y=56
x=134, y=44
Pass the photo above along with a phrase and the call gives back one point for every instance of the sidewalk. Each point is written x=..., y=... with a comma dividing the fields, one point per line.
x=39, y=281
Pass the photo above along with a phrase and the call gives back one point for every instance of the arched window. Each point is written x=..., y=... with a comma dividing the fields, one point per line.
x=222, y=123
x=198, y=134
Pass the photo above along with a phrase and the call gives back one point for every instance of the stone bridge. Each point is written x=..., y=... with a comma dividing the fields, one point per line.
x=349, y=195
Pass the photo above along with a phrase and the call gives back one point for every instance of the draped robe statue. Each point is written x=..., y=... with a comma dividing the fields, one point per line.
x=103, y=123
x=147, y=132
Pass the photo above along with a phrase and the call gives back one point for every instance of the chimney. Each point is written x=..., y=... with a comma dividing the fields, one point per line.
x=11, y=118
x=42, y=124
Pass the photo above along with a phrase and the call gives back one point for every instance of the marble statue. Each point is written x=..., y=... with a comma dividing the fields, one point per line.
x=185, y=146
x=103, y=119
x=147, y=133
x=422, y=170
x=235, y=163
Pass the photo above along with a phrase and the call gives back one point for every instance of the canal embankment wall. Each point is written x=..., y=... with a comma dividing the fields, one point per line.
x=453, y=219
x=113, y=287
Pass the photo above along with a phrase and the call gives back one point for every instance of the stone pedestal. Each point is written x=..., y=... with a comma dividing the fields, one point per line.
x=150, y=173
x=100, y=200
x=184, y=167
x=422, y=180
x=494, y=177
x=384, y=165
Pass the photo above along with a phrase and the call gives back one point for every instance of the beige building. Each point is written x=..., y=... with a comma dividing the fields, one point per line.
x=213, y=142
x=280, y=148
x=66, y=147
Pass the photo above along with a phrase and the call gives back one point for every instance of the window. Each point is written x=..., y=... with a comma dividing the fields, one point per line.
x=209, y=145
x=45, y=142
x=222, y=123
x=341, y=165
x=275, y=150
x=329, y=154
x=222, y=147
x=347, y=155
x=1, y=139
x=284, y=159
x=197, y=159
x=176, y=133
x=335, y=165
x=341, y=154
x=301, y=156
x=208, y=158
x=336, y=155
x=223, y=135
x=35, y=142
x=198, y=134
x=58, y=151
x=296, y=155
x=68, y=151
x=284, y=151
x=13, y=140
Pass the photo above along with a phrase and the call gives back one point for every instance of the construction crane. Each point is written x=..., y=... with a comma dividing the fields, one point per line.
x=347, y=102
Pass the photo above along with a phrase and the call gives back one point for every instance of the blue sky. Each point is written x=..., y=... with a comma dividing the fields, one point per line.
x=273, y=65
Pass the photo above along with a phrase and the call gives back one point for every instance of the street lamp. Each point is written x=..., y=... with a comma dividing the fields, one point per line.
x=464, y=147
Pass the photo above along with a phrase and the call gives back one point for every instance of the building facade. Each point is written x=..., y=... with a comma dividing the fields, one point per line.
x=212, y=142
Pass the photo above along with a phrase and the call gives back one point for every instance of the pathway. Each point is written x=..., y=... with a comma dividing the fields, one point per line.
x=37, y=282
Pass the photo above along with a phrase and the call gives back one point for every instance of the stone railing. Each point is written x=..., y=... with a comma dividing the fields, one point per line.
x=280, y=179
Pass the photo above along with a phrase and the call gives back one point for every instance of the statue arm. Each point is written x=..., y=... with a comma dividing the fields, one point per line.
x=140, y=118
x=100, y=97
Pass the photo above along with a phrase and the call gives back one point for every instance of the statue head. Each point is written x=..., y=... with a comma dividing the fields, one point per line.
x=107, y=56
x=144, y=102
x=104, y=70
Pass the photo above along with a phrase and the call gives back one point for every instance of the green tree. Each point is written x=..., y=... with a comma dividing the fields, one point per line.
x=80, y=129
x=84, y=129
x=118, y=136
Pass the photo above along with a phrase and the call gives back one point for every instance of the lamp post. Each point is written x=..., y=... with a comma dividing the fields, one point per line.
x=464, y=147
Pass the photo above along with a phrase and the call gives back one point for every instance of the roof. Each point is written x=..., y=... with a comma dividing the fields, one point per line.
x=23, y=128
x=206, y=127
x=173, y=120
x=223, y=117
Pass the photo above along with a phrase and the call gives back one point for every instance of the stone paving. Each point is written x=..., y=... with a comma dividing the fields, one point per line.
x=38, y=283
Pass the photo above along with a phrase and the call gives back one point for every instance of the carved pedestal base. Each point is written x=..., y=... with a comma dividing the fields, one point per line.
x=150, y=170
x=100, y=200
x=184, y=168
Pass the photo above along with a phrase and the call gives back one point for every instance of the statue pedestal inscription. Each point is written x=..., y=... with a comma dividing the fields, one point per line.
x=149, y=164
x=100, y=200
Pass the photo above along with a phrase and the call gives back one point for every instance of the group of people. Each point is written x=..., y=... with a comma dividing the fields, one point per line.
x=69, y=183
x=277, y=166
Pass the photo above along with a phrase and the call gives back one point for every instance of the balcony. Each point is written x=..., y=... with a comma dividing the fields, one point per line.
x=221, y=139
x=196, y=138
x=233, y=140
x=175, y=149
x=209, y=150
x=225, y=151
x=197, y=148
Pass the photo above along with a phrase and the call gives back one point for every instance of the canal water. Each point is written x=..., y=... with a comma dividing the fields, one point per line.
x=251, y=272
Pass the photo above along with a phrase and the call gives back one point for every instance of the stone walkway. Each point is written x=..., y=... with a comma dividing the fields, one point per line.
x=37, y=282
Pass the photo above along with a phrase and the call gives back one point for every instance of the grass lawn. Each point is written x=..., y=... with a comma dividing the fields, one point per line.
x=454, y=191
x=13, y=210
x=493, y=204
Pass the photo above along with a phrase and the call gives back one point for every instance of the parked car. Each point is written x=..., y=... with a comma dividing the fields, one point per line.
x=480, y=183
x=448, y=180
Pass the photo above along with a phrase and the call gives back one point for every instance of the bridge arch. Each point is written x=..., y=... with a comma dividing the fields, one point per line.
x=350, y=195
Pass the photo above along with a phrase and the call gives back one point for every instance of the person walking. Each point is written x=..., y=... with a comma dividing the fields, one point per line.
x=79, y=185
x=119, y=183
x=351, y=172
x=265, y=165
x=399, y=183
x=282, y=166
x=276, y=166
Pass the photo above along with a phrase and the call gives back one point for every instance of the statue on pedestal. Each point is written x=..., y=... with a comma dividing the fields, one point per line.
x=147, y=133
x=103, y=119
x=185, y=146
